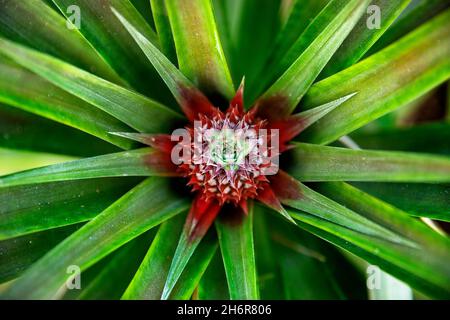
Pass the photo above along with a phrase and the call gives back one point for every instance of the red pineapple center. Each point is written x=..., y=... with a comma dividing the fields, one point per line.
x=231, y=156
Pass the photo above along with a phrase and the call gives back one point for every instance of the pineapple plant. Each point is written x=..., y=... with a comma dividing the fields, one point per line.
x=225, y=149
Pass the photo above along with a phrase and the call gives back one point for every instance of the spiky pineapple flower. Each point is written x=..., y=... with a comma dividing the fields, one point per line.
x=196, y=133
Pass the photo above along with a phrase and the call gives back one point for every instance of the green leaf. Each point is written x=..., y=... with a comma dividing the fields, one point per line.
x=407, y=69
x=31, y=208
x=107, y=35
x=423, y=266
x=21, y=252
x=269, y=277
x=312, y=50
x=304, y=198
x=129, y=163
x=34, y=24
x=416, y=14
x=23, y=130
x=321, y=163
x=422, y=200
x=310, y=268
x=301, y=15
x=213, y=284
x=253, y=26
x=430, y=138
x=134, y=109
x=236, y=244
x=163, y=29
x=174, y=79
x=142, y=208
x=148, y=283
x=29, y=92
x=17, y=160
x=362, y=37
x=199, y=51
x=115, y=276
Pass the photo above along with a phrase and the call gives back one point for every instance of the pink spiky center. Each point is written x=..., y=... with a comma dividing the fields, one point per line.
x=229, y=156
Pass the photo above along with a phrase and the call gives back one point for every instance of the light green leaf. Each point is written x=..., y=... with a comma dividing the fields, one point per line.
x=130, y=163
x=406, y=70
x=142, y=208
x=134, y=109
x=236, y=245
x=31, y=208
x=199, y=51
x=321, y=163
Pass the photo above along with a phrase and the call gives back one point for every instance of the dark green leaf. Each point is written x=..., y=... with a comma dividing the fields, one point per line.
x=134, y=109
x=35, y=24
x=17, y=254
x=430, y=138
x=423, y=200
x=406, y=70
x=23, y=130
x=142, y=208
x=150, y=279
x=32, y=208
x=163, y=29
x=312, y=50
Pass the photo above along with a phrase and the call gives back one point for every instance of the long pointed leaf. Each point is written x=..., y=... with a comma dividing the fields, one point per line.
x=130, y=163
x=100, y=27
x=362, y=37
x=199, y=51
x=25, y=131
x=406, y=70
x=148, y=283
x=321, y=163
x=31, y=208
x=416, y=14
x=134, y=109
x=17, y=254
x=35, y=24
x=144, y=207
x=423, y=266
x=235, y=231
x=311, y=52
x=163, y=29
x=29, y=92
x=417, y=199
